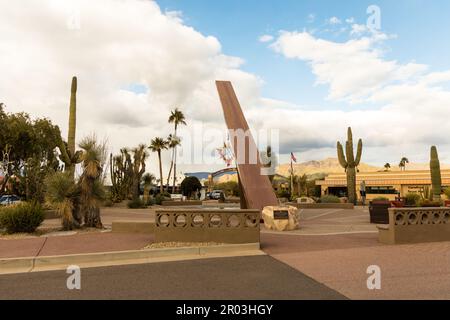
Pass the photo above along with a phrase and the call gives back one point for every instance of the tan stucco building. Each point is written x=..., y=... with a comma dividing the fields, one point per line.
x=382, y=184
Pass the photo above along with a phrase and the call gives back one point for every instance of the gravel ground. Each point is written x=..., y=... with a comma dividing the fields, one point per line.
x=181, y=245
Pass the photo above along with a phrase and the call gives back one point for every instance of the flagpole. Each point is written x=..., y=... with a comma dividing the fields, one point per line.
x=292, y=176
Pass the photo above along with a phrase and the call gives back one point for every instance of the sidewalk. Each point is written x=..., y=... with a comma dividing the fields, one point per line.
x=74, y=244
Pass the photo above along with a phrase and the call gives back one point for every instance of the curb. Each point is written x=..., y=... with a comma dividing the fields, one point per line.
x=104, y=259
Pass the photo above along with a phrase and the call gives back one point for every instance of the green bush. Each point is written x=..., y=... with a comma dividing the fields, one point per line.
x=158, y=199
x=380, y=199
x=21, y=218
x=108, y=203
x=447, y=193
x=425, y=203
x=412, y=199
x=284, y=194
x=330, y=199
x=136, y=204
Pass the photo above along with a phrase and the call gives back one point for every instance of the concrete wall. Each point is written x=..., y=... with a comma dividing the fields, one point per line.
x=416, y=225
x=220, y=226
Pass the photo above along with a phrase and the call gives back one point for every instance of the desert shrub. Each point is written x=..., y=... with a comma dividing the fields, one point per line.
x=158, y=199
x=284, y=194
x=425, y=203
x=447, y=193
x=24, y=217
x=108, y=203
x=330, y=199
x=380, y=199
x=136, y=204
x=412, y=199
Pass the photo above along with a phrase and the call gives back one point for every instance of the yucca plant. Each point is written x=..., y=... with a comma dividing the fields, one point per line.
x=148, y=179
x=62, y=194
x=91, y=185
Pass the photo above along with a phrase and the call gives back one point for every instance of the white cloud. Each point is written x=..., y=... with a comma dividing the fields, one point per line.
x=119, y=44
x=266, y=38
x=350, y=20
x=334, y=21
x=358, y=29
x=357, y=72
x=311, y=18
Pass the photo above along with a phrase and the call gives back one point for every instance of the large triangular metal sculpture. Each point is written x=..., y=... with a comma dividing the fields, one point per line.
x=256, y=189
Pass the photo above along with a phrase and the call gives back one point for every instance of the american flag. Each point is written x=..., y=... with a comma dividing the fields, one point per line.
x=293, y=158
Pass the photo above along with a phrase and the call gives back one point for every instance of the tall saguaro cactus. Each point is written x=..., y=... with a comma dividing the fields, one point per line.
x=435, y=169
x=68, y=154
x=349, y=162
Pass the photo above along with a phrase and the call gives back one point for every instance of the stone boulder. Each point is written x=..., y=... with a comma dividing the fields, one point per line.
x=281, y=218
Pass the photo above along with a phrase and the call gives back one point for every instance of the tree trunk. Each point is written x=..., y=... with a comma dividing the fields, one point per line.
x=174, y=170
x=92, y=218
x=161, y=189
x=146, y=194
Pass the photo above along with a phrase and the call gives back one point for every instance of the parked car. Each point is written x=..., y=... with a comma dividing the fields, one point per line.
x=217, y=195
x=7, y=200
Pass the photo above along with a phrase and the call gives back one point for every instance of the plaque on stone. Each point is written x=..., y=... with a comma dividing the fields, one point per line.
x=281, y=214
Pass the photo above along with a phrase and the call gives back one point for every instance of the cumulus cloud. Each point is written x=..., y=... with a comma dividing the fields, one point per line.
x=266, y=38
x=111, y=45
x=410, y=103
x=135, y=63
x=334, y=21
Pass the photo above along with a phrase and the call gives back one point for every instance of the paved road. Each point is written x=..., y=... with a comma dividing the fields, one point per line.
x=260, y=277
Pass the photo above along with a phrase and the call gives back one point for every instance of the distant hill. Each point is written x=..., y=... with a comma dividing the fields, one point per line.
x=327, y=166
x=331, y=165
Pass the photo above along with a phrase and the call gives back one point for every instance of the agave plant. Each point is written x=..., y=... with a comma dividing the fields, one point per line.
x=62, y=194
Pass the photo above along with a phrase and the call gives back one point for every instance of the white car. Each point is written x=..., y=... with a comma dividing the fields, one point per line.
x=216, y=195
x=8, y=200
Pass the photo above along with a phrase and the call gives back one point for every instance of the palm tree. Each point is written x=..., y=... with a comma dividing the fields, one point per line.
x=177, y=118
x=91, y=186
x=387, y=166
x=148, y=179
x=403, y=163
x=173, y=142
x=157, y=145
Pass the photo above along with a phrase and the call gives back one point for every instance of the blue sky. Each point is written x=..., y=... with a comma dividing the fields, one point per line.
x=421, y=28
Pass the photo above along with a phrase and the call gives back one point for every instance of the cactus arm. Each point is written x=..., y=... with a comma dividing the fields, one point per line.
x=349, y=148
x=77, y=158
x=359, y=153
x=64, y=154
x=341, y=156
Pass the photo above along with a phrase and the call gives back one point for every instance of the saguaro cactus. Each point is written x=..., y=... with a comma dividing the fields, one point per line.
x=68, y=154
x=435, y=169
x=349, y=162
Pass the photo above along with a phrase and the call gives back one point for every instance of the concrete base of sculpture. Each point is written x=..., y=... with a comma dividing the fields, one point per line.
x=281, y=218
